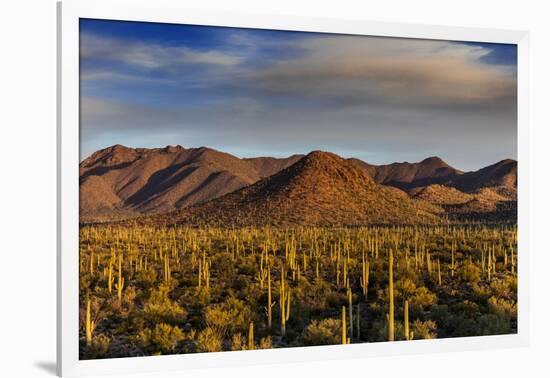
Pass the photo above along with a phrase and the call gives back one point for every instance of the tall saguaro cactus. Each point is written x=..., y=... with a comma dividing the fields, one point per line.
x=251, y=336
x=269, y=301
x=120, y=282
x=365, y=276
x=344, y=327
x=90, y=324
x=406, y=320
x=284, y=302
x=350, y=306
x=391, y=325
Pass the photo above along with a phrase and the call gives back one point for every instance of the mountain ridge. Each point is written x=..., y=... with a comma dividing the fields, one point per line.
x=118, y=182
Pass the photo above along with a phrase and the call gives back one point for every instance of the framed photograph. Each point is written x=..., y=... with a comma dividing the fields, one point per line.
x=239, y=188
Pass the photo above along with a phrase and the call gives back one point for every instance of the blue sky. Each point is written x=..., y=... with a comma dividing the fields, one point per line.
x=275, y=93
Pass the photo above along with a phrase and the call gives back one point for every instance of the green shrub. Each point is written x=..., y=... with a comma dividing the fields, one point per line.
x=469, y=273
x=99, y=347
x=228, y=317
x=323, y=332
x=209, y=340
x=163, y=338
x=424, y=330
x=160, y=309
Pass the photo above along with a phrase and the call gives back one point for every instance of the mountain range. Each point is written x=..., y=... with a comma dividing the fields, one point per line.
x=205, y=186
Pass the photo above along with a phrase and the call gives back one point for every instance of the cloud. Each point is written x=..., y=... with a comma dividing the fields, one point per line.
x=380, y=99
x=150, y=55
x=389, y=70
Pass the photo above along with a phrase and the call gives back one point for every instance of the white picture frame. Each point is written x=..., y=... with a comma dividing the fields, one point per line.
x=69, y=12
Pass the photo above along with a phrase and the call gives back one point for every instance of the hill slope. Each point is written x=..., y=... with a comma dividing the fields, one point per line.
x=432, y=170
x=321, y=189
x=123, y=180
x=502, y=177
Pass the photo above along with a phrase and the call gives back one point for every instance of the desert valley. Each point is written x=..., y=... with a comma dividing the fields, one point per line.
x=186, y=250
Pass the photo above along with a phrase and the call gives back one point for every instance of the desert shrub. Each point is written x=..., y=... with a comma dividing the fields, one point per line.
x=311, y=297
x=99, y=347
x=159, y=308
x=228, y=317
x=209, y=340
x=323, y=332
x=404, y=288
x=238, y=342
x=501, y=288
x=502, y=307
x=381, y=329
x=494, y=324
x=424, y=329
x=163, y=338
x=467, y=307
x=469, y=273
x=423, y=297
x=130, y=295
x=146, y=278
x=265, y=343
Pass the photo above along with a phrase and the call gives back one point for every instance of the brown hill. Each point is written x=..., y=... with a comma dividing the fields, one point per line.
x=502, y=177
x=406, y=176
x=443, y=195
x=120, y=181
x=320, y=189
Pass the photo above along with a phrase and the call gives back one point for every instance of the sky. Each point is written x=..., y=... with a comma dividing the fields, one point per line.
x=253, y=92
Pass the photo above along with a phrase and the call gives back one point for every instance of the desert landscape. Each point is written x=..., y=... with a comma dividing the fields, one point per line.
x=186, y=250
x=250, y=189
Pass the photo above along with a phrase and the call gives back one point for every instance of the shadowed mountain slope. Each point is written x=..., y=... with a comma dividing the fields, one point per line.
x=320, y=189
x=432, y=170
x=502, y=177
x=125, y=180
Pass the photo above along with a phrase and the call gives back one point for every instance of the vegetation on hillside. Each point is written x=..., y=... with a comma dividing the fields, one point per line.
x=148, y=291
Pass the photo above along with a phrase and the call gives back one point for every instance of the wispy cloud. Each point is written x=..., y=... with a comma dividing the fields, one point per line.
x=381, y=99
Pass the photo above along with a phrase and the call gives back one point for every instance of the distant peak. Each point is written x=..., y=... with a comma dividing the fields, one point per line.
x=173, y=149
x=321, y=155
x=433, y=160
x=118, y=147
x=507, y=161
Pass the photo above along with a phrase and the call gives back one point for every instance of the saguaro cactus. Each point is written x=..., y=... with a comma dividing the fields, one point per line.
x=365, y=276
x=251, y=336
x=391, y=325
x=438, y=272
x=269, y=301
x=110, y=282
x=90, y=324
x=344, y=327
x=120, y=283
x=350, y=307
x=284, y=302
x=406, y=320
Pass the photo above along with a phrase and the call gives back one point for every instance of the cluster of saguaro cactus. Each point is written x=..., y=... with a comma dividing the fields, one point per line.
x=324, y=259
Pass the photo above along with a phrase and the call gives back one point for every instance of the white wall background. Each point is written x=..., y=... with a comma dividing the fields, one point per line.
x=27, y=186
